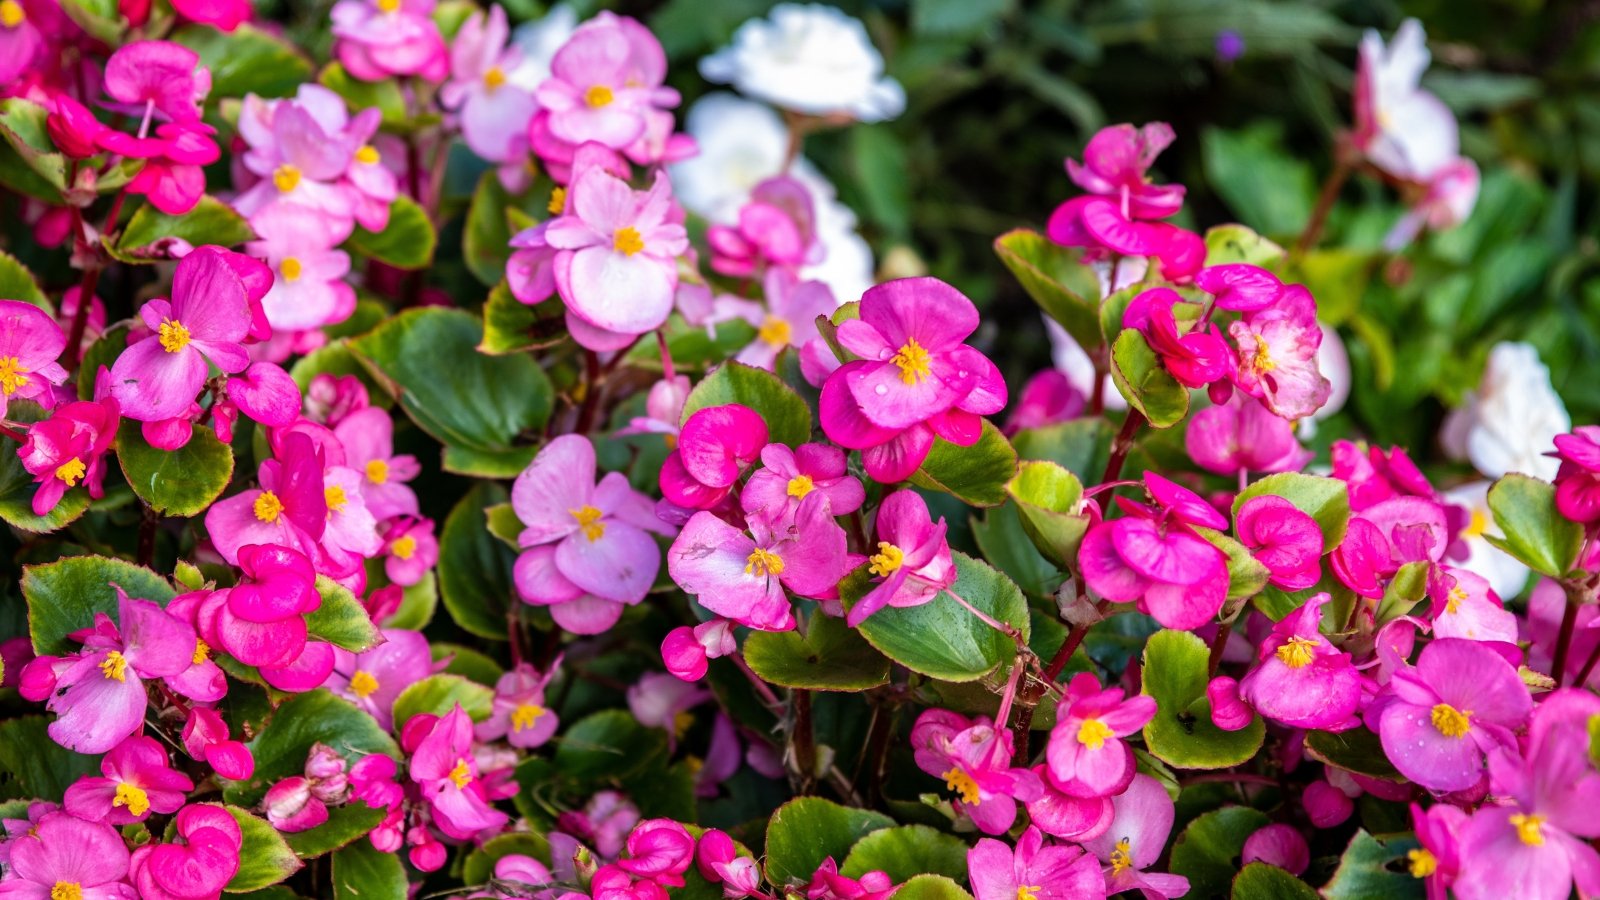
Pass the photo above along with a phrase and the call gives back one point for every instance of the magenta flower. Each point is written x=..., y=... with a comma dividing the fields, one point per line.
x=205, y=737
x=715, y=447
x=62, y=855
x=1278, y=355
x=1243, y=435
x=1375, y=475
x=1116, y=164
x=776, y=228
x=373, y=679
x=264, y=393
x=1032, y=870
x=1062, y=815
x=1578, y=479
x=1464, y=606
x=443, y=767
x=789, y=476
x=718, y=860
x=368, y=439
x=1303, y=681
x=660, y=850
x=913, y=561
x=742, y=574
x=1282, y=538
x=618, y=269
x=206, y=859
x=291, y=807
x=289, y=509
x=261, y=620
x=68, y=448
x=1438, y=860
x=1240, y=287
x=604, y=82
x=410, y=549
x=1196, y=357
x=520, y=715
x=1049, y=397
x=1278, y=845
x=1135, y=840
x=1152, y=555
x=160, y=77
x=790, y=317
x=381, y=38
x=1461, y=701
x=686, y=651
x=494, y=109
x=1086, y=756
x=827, y=884
x=975, y=762
x=137, y=779
x=350, y=535
x=30, y=342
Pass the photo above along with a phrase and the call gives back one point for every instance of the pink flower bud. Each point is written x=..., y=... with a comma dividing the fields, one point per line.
x=1326, y=805
x=290, y=806
x=1279, y=844
x=1228, y=712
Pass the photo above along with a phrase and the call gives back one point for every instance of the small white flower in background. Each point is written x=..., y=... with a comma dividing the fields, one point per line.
x=1333, y=360
x=1512, y=419
x=1403, y=129
x=811, y=59
x=538, y=41
x=1505, y=575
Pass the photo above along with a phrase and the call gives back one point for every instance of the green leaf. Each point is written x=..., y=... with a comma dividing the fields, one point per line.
x=1079, y=446
x=941, y=638
x=1148, y=388
x=691, y=347
x=361, y=872
x=246, y=60
x=808, y=830
x=608, y=744
x=1047, y=498
x=439, y=694
x=932, y=887
x=264, y=857
x=17, y=283
x=504, y=524
x=975, y=475
x=830, y=656
x=475, y=567
x=22, y=125
x=100, y=18
x=341, y=620
x=281, y=747
x=484, y=404
x=407, y=242
x=1182, y=733
x=511, y=326
x=905, y=852
x=1238, y=244
x=1374, y=867
x=1207, y=851
x=180, y=482
x=149, y=235
x=485, y=238
x=1262, y=881
x=1004, y=543
x=1535, y=532
x=417, y=605
x=479, y=865
x=63, y=596
x=1404, y=591
x=1357, y=750
x=1057, y=279
x=359, y=95
x=1327, y=500
x=467, y=662
x=17, y=484
x=1258, y=178
x=33, y=765
x=787, y=416
x=346, y=824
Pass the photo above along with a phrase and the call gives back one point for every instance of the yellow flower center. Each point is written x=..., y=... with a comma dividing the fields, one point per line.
x=1530, y=829
x=1453, y=601
x=115, y=666
x=377, y=471
x=598, y=95
x=1477, y=525
x=1296, y=653
x=886, y=560
x=461, y=774
x=762, y=563
x=493, y=78
x=70, y=471
x=290, y=268
x=1423, y=863
x=133, y=797
x=558, y=201
x=335, y=498
x=12, y=14
x=202, y=650
x=1121, y=857
x=64, y=890
x=1028, y=892
x=173, y=336
x=12, y=375
x=368, y=155
x=1451, y=722
x=404, y=546
x=627, y=241
x=959, y=781
x=523, y=717
x=800, y=486
x=268, y=507
x=285, y=178
x=363, y=684
x=1093, y=733
x=389, y=6
x=589, y=520
x=1263, y=362
x=775, y=331
x=913, y=361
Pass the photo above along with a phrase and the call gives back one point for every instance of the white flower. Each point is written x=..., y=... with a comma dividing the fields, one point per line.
x=1512, y=419
x=1333, y=360
x=538, y=42
x=809, y=58
x=1405, y=130
x=1505, y=575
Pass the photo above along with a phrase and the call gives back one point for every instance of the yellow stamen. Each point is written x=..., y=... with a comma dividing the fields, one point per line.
x=404, y=546
x=1093, y=733
x=1263, y=362
x=681, y=723
x=368, y=155
x=335, y=497
x=1028, y=892
x=1529, y=828
x=1477, y=525
x=286, y=178
x=377, y=471
x=598, y=95
x=1423, y=863
x=70, y=471
x=1296, y=653
x=1451, y=722
x=627, y=241
x=494, y=78
x=775, y=331
x=1453, y=601
x=268, y=507
x=523, y=717
x=913, y=361
x=12, y=14
x=64, y=890
x=886, y=560
x=363, y=684
x=173, y=336
x=963, y=784
x=589, y=521
x=202, y=651
x=12, y=375
x=461, y=774
x=558, y=201
x=762, y=563
x=800, y=486
x=1121, y=857
x=389, y=6
x=290, y=268
x=115, y=666
x=133, y=797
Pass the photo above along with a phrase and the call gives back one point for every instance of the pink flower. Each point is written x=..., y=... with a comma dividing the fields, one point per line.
x=261, y=620
x=374, y=679
x=1464, y=606
x=776, y=228
x=1446, y=202
x=205, y=737
x=1196, y=357
x=137, y=779
x=20, y=42
x=290, y=807
x=224, y=15
x=1152, y=555
x=1116, y=163
x=1240, y=287
x=789, y=476
x=715, y=447
x=300, y=155
x=975, y=762
x=368, y=439
x=1033, y=870
x=1325, y=805
x=1062, y=815
x=1439, y=858
x=1086, y=756
x=828, y=884
x=1278, y=355
x=1375, y=475
x=290, y=508
x=718, y=860
x=30, y=342
x=68, y=448
x=1578, y=479
x=411, y=550
x=1282, y=538
x=913, y=559
x=604, y=82
x=1135, y=840
x=297, y=242
x=264, y=393
x=382, y=38
x=790, y=317
x=660, y=850
x=520, y=714
x=1278, y=845
x=1228, y=711
x=663, y=410
x=62, y=849
x=443, y=767
x=685, y=651
x=330, y=398
x=1048, y=398
x=1303, y=681
x=1242, y=434
x=493, y=108
x=198, y=867
x=160, y=76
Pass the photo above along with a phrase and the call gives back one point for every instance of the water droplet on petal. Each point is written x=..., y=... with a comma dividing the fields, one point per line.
x=881, y=390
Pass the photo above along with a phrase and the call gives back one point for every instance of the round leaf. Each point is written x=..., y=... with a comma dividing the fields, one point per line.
x=975, y=475
x=932, y=887
x=808, y=830
x=346, y=824
x=1369, y=866
x=830, y=656
x=438, y=694
x=317, y=716
x=362, y=872
x=475, y=567
x=1182, y=734
x=33, y=765
x=787, y=416
x=1148, y=388
x=264, y=857
x=63, y=596
x=407, y=242
x=1047, y=497
x=1056, y=278
x=1535, y=532
x=905, y=852
x=150, y=234
x=1208, y=851
x=1261, y=881
x=180, y=482
x=341, y=620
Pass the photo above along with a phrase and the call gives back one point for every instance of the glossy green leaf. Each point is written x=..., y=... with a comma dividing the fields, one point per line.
x=808, y=830
x=361, y=872
x=359, y=95
x=1182, y=733
x=281, y=747
x=479, y=865
x=1326, y=500
x=692, y=348
x=1148, y=388
x=346, y=824
x=439, y=694
x=485, y=236
x=22, y=126
x=1264, y=184
x=932, y=887
x=975, y=475
x=787, y=416
x=406, y=242
x=475, y=566
x=264, y=857
x=830, y=656
x=1239, y=244
x=246, y=60
x=467, y=662
x=17, y=283
x=1375, y=866
x=1207, y=852
x=905, y=852
x=1357, y=750
x=1261, y=881
x=417, y=604
x=511, y=326
x=1535, y=532
x=64, y=595
x=341, y=620
x=1079, y=446
x=1004, y=544
x=1057, y=279
x=180, y=482
x=17, y=486
x=1047, y=497
x=608, y=744
x=33, y=765
x=150, y=233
